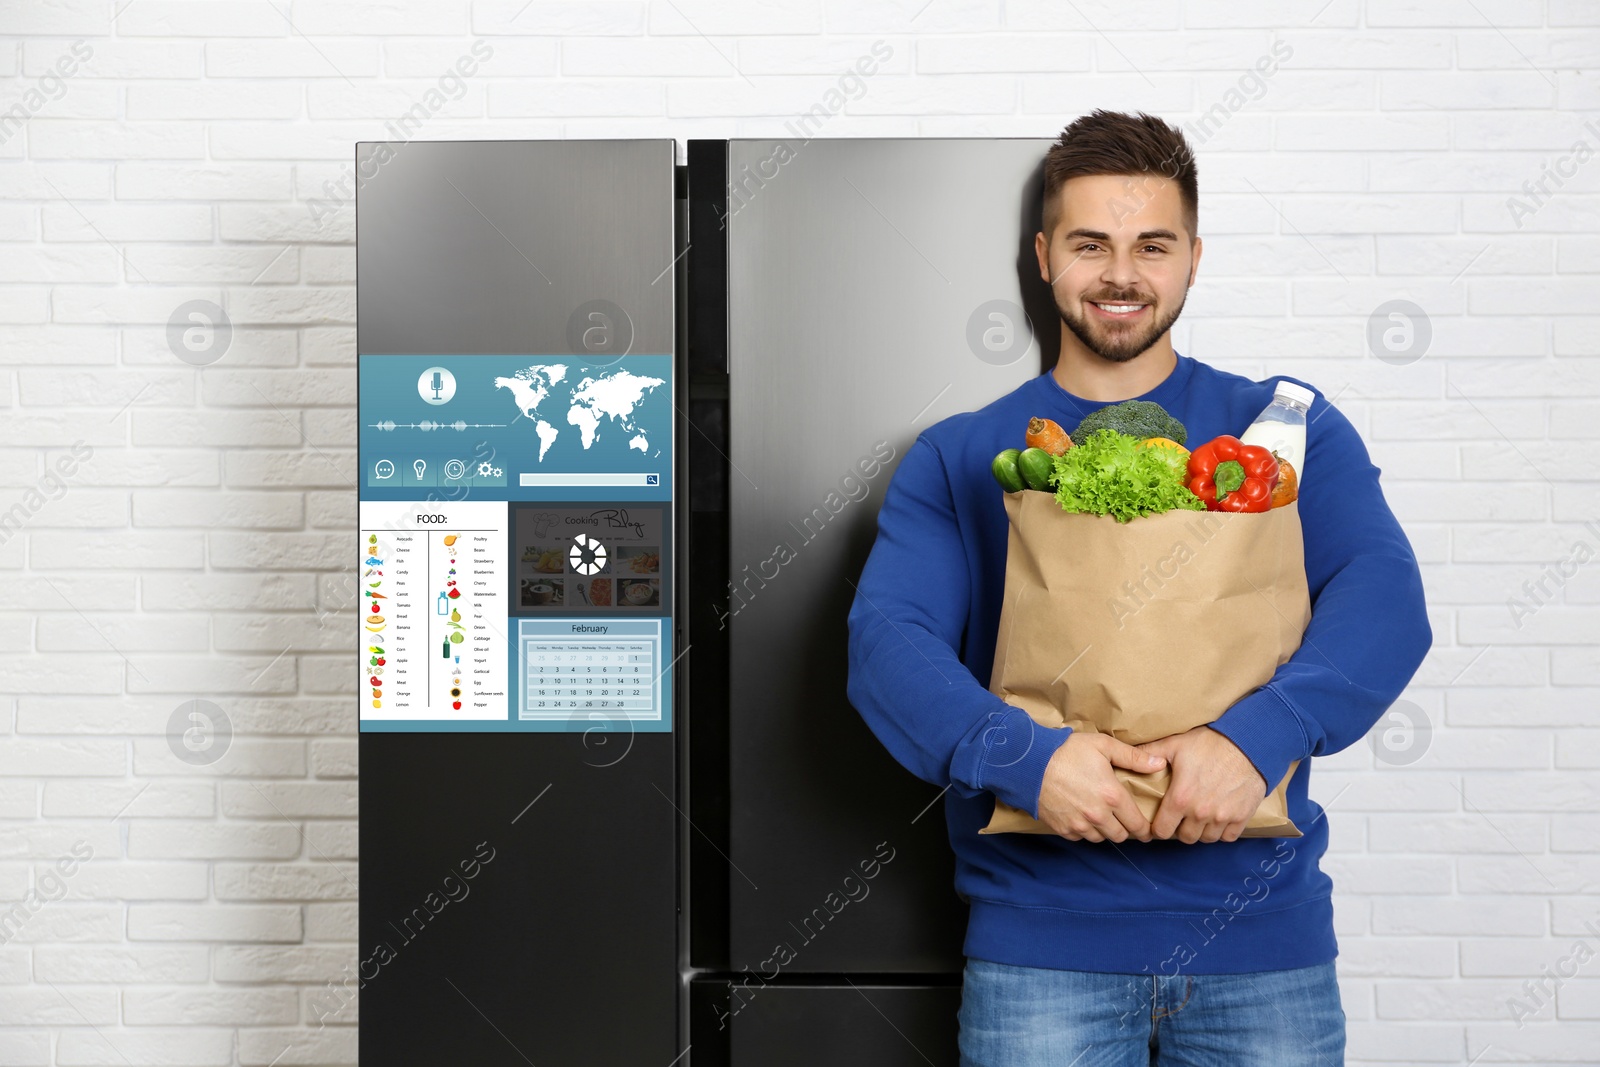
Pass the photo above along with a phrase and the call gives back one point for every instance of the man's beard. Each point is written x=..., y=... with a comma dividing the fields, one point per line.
x=1119, y=344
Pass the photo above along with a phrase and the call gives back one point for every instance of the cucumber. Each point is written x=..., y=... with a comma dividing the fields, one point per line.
x=1006, y=472
x=1037, y=467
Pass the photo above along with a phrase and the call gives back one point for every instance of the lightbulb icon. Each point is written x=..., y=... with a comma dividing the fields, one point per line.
x=420, y=466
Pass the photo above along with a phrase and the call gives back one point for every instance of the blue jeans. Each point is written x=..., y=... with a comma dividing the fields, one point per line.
x=1015, y=1016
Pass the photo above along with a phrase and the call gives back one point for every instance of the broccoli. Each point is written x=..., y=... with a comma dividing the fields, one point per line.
x=1141, y=418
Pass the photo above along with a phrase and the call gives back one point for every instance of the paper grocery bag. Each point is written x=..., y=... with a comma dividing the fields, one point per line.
x=1146, y=628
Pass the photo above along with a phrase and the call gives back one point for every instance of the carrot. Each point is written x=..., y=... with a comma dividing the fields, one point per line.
x=1045, y=434
x=1288, y=487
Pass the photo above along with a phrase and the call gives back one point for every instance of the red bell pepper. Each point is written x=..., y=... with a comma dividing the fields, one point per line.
x=1228, y=475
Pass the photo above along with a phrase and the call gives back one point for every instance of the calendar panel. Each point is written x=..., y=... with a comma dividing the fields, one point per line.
x=570, y=673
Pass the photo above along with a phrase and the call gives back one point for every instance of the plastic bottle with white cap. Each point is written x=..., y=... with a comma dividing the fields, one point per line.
x=1281, y=426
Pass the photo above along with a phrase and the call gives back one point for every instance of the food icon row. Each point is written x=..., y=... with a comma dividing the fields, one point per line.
x=374, y=620
x=573, y=591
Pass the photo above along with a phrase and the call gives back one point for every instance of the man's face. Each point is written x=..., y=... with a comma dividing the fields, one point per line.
x=1120, y=262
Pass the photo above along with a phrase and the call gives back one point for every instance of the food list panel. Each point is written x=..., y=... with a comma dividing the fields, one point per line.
x=434, y=624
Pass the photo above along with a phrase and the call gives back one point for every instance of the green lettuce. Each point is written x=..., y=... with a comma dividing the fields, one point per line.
x=1109, y=474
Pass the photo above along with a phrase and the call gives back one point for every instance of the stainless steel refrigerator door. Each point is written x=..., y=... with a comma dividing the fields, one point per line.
x=856, y=272
x=561, y=949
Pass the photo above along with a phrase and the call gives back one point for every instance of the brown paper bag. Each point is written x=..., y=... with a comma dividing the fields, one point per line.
x=1146, y=628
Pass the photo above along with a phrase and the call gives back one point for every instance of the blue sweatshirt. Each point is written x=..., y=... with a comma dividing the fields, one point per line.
x=922, y=639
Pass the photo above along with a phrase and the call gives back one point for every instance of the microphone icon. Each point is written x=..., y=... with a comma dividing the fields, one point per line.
x=436, y=385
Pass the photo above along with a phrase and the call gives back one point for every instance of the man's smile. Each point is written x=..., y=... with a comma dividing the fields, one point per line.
x=1116, y=311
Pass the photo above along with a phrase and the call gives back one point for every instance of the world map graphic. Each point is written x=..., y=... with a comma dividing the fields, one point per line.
x=603, y=407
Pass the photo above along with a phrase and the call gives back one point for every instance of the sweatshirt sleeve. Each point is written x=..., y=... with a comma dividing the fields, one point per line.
x=905, y=624
x=1369, y=626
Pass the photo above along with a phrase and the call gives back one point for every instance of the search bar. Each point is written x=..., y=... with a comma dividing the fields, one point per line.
x=595, y=479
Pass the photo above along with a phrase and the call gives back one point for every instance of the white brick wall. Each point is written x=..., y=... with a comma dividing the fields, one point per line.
x=194, y=551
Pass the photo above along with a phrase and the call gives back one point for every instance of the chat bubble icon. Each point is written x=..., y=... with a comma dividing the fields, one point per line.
x=383, y=470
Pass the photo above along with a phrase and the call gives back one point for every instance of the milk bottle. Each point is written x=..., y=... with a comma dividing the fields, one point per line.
x=1281, y=426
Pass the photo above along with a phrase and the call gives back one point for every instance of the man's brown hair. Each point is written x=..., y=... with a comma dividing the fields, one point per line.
x=1114, y=142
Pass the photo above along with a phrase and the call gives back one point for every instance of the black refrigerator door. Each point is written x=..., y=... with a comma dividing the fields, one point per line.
x=867, y=282
x=563, y=948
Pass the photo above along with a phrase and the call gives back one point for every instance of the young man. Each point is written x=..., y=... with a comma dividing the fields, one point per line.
x=1151, y=941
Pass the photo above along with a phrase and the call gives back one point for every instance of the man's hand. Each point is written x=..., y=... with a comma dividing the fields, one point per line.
x=1214, y=789
x=1081, y=798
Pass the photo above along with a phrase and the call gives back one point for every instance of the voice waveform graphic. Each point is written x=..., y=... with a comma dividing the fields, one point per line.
x=426, y=426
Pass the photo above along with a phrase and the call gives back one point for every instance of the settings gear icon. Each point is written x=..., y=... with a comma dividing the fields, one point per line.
x=489, y=470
